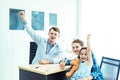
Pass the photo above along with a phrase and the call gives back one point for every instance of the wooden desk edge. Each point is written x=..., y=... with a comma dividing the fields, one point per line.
x=40, y=72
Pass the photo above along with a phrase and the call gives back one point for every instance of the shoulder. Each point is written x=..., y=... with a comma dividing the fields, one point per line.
x=42, y=40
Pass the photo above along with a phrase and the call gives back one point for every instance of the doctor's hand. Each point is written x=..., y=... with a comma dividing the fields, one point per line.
x=44, y=62
x=22, y=16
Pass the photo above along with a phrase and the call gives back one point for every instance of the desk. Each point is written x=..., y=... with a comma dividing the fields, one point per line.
x=42, y=72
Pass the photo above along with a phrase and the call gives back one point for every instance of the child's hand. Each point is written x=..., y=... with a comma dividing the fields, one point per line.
x=88, y=36
x=82, y=79
x=62, y=64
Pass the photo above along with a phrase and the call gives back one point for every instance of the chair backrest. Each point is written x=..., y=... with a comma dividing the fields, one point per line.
x=110, y=68
x=33, y=48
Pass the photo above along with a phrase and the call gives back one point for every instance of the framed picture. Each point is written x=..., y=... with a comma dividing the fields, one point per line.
x=15, y=22
x=52, y=19
x=37, y=20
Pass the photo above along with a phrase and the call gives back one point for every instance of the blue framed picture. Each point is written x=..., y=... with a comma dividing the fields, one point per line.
x=15, y=22
x=52, y=19
x=37, y=20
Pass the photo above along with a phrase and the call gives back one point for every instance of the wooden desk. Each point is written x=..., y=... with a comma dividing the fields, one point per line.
x=42, y=72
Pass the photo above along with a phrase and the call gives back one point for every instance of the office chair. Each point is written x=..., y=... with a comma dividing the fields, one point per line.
x=110, y=68
x=33, y=48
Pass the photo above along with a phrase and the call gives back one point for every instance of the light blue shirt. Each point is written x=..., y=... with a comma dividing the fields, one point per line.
x=45, y=51
x=83, y=71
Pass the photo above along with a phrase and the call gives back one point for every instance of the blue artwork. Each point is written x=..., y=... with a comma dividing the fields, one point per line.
x=52, y=19
x=15, y=22
x=37, y=20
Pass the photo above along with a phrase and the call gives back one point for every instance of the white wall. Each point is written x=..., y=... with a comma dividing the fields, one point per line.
x=14, y=49
x=101, y=18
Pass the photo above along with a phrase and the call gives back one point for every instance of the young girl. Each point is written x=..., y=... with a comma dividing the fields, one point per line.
x=86, y=62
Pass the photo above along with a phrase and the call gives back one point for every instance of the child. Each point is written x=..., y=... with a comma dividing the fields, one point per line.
x=86, y=63
x=76, y=46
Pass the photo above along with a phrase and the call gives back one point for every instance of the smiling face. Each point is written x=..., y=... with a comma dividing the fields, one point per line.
x=83, y=54
x=53, y=36
x=76, y=48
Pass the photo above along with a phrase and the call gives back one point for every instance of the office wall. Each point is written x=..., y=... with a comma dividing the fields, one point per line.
x=101, y=18
x=14, y=49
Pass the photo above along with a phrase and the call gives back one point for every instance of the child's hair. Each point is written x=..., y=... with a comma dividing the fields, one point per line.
x=82, y=49
x=78, y=41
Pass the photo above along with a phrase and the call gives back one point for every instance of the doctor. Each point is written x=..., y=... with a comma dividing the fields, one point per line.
x=48, y=51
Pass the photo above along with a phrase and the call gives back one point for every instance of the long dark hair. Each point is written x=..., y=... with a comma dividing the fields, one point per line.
x=81, y=50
